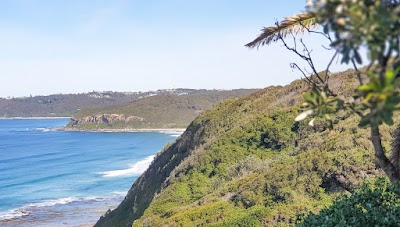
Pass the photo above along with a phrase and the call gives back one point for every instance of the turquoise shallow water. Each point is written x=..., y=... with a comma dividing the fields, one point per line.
x=46, y=173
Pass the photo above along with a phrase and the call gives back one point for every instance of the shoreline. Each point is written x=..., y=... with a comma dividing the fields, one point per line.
x=97, y=130
x=32, y=118
x=123, y=130
x=79, y=212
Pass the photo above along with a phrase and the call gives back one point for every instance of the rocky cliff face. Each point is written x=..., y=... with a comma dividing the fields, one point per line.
x=156, y=111
x=105, y=119
x=151, y=182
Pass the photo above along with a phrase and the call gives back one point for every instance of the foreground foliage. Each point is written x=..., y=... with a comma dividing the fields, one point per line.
x=348, y=26
x=375, y=204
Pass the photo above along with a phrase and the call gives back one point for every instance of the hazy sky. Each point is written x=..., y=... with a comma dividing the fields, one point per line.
x=54, y=46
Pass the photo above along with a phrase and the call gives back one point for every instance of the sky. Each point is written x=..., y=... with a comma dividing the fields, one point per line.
x=75, y=46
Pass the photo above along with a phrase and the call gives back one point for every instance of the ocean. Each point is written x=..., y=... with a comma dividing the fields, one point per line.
x=62, y=178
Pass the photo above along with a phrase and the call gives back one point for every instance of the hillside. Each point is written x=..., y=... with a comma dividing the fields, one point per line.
x=245, y=162
x=164, y=110
x=61, y=105
x=65, y=105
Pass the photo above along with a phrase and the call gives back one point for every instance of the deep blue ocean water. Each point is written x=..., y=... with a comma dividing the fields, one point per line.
x=44, y=169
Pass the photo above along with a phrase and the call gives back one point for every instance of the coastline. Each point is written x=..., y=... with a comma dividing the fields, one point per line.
x=96, y=130
x=76, y=212
x=123, y=130
x=32, y=118
x=82, y=210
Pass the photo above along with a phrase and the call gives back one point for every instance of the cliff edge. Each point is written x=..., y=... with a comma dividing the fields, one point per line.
x=151, y=181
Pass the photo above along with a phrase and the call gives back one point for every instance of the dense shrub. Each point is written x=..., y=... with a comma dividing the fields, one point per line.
x=247, y=163
x=375, y=204
x=257, y=167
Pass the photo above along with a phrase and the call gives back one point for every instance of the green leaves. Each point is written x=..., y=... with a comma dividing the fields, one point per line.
x=375, y=204
x=380, y=97
x=319, y=103
x=356, y=23
x=377, y=101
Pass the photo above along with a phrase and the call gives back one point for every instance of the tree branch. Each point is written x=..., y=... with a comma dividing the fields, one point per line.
x=320, y=33
x=357, y=71
x=295, y=66
x=329, y=65
x=311, y=63
x=318, y=82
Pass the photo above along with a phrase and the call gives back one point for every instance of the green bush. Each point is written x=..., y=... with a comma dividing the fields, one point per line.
x=247, y=163
x=375, y=204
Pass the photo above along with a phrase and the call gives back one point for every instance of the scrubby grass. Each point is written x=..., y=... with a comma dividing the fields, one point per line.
x=250, y=164
x=377, y=203
x=259, y=167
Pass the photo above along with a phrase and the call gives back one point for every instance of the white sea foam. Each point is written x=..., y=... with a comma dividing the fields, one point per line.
x=25, y=210
x=120, y=193
x=173, y=133
x=49, y=203
x=31, y=209
x=134, y=169
x=13, y=214
x=42, y=129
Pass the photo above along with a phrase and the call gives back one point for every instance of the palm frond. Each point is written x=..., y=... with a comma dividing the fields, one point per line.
x=290, y=25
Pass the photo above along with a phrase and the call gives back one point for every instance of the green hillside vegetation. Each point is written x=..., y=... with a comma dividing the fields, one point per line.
x=65, y=105
x=247, y=163
x=61, y=105
x=159, y=111
x=375, y=204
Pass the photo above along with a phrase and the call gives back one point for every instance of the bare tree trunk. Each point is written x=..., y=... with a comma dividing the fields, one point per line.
x=382, y=160
x=395, y=152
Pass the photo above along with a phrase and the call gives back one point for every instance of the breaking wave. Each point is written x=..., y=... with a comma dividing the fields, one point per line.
x=134, y=169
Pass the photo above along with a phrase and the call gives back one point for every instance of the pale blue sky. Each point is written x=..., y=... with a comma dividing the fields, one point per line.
x=54, y=46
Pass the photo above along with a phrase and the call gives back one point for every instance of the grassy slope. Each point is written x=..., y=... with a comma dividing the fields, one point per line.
x=246, y=162
x=161, y=111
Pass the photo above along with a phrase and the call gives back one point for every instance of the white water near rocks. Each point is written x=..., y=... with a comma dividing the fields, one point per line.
x=59, y=178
